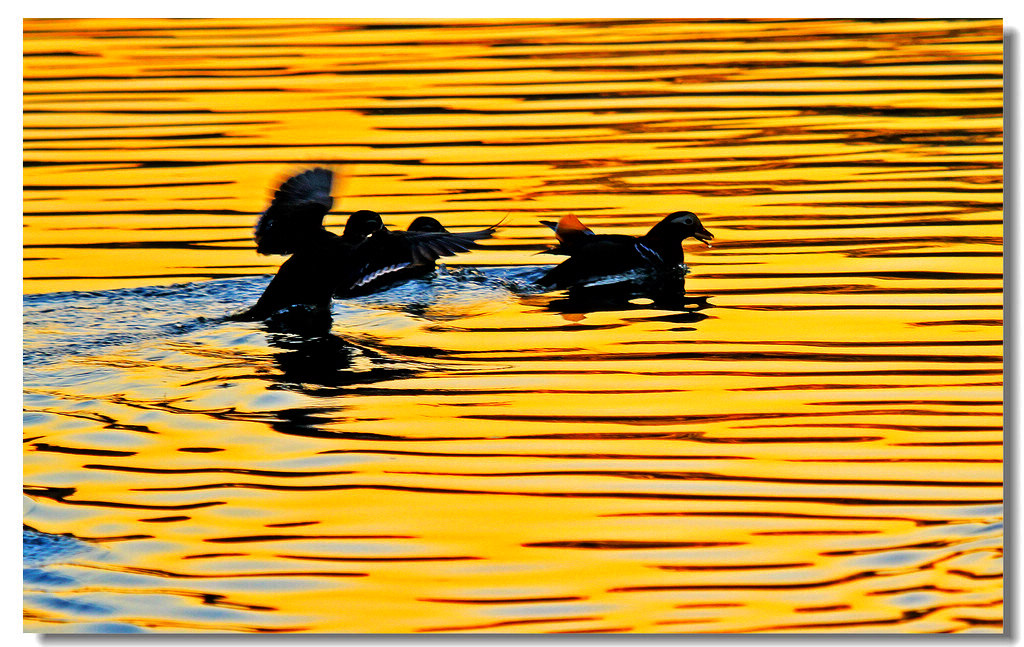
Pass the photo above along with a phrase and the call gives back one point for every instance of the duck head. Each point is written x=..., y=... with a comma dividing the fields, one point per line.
x=361, y=224
x=681, y=225
x=428, y=224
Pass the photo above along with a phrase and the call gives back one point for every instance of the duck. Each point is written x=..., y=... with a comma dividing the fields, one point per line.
x=387, y=257
x=309, y=277
x=321, y=264
x=595, y=256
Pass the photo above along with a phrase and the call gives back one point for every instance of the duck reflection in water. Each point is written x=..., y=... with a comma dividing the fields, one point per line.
x=321, y=365
x=666, y=293
x=324, y=365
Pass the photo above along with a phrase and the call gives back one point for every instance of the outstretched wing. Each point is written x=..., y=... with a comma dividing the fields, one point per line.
x=426, y=247
x=389, y=256
x=296, y=214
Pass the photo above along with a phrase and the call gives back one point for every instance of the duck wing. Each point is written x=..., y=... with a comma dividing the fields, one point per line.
x=388, y=256
x=296, y=213
x=600, y=255
x=426, y=247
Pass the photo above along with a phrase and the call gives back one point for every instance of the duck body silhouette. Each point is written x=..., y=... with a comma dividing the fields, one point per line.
x=387, y=257
x=310, y=276
x=366, y=257
x=595, y=257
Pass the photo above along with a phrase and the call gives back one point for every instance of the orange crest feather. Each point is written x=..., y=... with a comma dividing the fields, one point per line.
x=568, y=225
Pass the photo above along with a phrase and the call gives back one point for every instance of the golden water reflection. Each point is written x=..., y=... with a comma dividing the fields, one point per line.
x=811, y=440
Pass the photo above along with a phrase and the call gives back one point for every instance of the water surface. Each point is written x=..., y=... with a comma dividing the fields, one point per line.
x=808, y=439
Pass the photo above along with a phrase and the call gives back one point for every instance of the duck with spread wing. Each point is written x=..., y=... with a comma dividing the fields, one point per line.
x=365, y=258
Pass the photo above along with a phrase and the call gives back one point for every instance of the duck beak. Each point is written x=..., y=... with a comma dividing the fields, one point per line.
x=703, y=235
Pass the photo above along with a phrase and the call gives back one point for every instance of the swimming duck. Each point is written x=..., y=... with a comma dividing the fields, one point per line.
x=593, y=256
x=365, y=257
x=387, y=257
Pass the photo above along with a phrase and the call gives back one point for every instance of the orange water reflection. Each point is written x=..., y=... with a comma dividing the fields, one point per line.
x=814, y=446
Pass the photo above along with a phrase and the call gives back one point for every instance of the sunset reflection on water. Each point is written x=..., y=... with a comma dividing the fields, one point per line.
x=808, y=439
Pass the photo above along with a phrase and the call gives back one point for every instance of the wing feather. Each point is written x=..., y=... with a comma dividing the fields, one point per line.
x=390, y=255
x=296, y=213
x=427, y=247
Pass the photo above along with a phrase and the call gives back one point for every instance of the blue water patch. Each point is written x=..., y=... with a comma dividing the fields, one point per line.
x=46, y=585
x=43, y=578
x=42, y=549
x=66, y=324
x=60, y=325
x=102, y=628
x=65, y=604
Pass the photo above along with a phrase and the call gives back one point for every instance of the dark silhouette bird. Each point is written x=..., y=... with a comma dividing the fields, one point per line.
x=310, y=276
x=364, y=258
x=388, y=257
x=594, y=256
